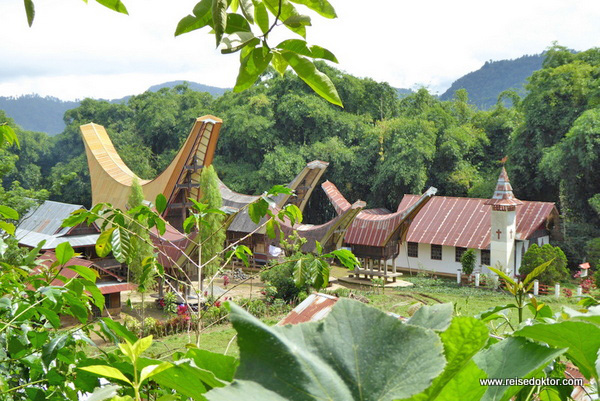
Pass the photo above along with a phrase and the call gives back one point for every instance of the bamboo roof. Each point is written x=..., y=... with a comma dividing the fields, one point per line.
x=112, y=178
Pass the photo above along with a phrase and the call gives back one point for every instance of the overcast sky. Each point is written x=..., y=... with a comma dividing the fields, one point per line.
x=76, y=50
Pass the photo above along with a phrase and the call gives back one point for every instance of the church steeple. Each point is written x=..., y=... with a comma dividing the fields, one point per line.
x=503, y=224
x=503, y=199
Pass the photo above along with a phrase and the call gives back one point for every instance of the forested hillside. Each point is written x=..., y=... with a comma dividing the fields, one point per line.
x=45, y=114
x=379, y=146
x=485, y=84
x=37, y=113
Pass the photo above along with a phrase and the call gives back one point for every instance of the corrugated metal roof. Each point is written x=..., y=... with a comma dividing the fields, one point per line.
x=314, y=308
x=465, y=222
x=32, y=239
x=373, y=227
x=48, y=217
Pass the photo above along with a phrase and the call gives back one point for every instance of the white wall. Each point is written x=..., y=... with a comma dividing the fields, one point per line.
x=424, y=261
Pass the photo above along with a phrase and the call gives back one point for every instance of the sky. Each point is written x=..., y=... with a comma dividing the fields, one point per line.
x=76, y=50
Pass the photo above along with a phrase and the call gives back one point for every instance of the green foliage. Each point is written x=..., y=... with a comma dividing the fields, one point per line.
x=468, y=260
x=317, y=372
x=536, y=256
x=486, y=84
x=139, y=244
x=212, y=235
x=281, y=278
x=592, y=251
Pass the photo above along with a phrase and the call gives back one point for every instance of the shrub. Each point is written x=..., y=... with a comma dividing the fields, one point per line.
x=592, y=252
x=278, y=307
x=257, y=308
x=281, y=278
x=537, y=255
x=468, y=260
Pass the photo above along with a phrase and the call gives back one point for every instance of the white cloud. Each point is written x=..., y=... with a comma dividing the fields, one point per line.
x=76, y=50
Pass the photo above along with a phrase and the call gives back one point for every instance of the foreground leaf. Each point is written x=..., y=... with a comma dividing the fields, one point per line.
x=318, y=81
x=582, y=339
x=510, y=358
x=333, y=359
x=435, y=317
x=462, y=340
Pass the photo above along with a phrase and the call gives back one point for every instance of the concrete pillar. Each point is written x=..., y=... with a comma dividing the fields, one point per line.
x=579, y=291
x=536, y=287
x=394, y=265
x=476, y=279
x=458, y=276
x=557, y=290
x=385, y=267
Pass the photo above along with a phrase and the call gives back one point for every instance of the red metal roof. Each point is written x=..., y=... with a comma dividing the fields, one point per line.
x=465, y=222
x=315, y=307
x=371, y=227
x=49, y=257
x=585, y=265
x=112, y=287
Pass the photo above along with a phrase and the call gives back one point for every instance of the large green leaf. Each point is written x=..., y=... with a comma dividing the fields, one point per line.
x=107, y=371
x=462, y=340
x=223, y=366
x=323, y=7
x=356, y=353
x=115, y=5
x=435, y=317
x=248, y=10
x=119, y=241
x=261, y=16
x=510, y=358
x=64, y=252
x=30, y=11
x=318, y=81
x=287, y=11
x=103, y=245
x=219, y=18
x=465, y=385
x=252, y=65
x=9, y=212
x=582, y=339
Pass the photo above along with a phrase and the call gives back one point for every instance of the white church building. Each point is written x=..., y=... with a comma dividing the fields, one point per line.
x=500, y=229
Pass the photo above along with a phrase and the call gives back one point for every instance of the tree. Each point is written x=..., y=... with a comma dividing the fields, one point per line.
x=592, y=252
x=212, y=234
x=575, y=161
x=468, y=260
x=536, y=256
x=140, y=248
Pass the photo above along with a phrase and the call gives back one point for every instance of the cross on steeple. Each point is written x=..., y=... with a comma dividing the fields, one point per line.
x=498, y=232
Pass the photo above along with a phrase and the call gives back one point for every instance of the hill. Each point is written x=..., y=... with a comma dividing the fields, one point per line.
x=213, y=90
x=485, y=84
x=36, y=113
x=45, y=114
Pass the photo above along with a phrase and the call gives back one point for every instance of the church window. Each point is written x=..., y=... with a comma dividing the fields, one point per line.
x=436, y=252
x=485, y=257
x=413, y=249
x=459, y=252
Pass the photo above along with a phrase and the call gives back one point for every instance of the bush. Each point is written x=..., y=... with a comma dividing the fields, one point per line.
x=257, y=308
x=535, y=256
x=592, y=252
x=468, y=260
x=281, y=278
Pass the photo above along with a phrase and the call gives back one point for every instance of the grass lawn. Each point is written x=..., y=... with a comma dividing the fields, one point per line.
x=467, y=301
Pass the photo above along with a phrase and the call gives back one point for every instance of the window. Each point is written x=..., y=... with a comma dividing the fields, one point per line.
x=436, y=252
x=459, y=252
x=485, y=257
x=413, y=249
